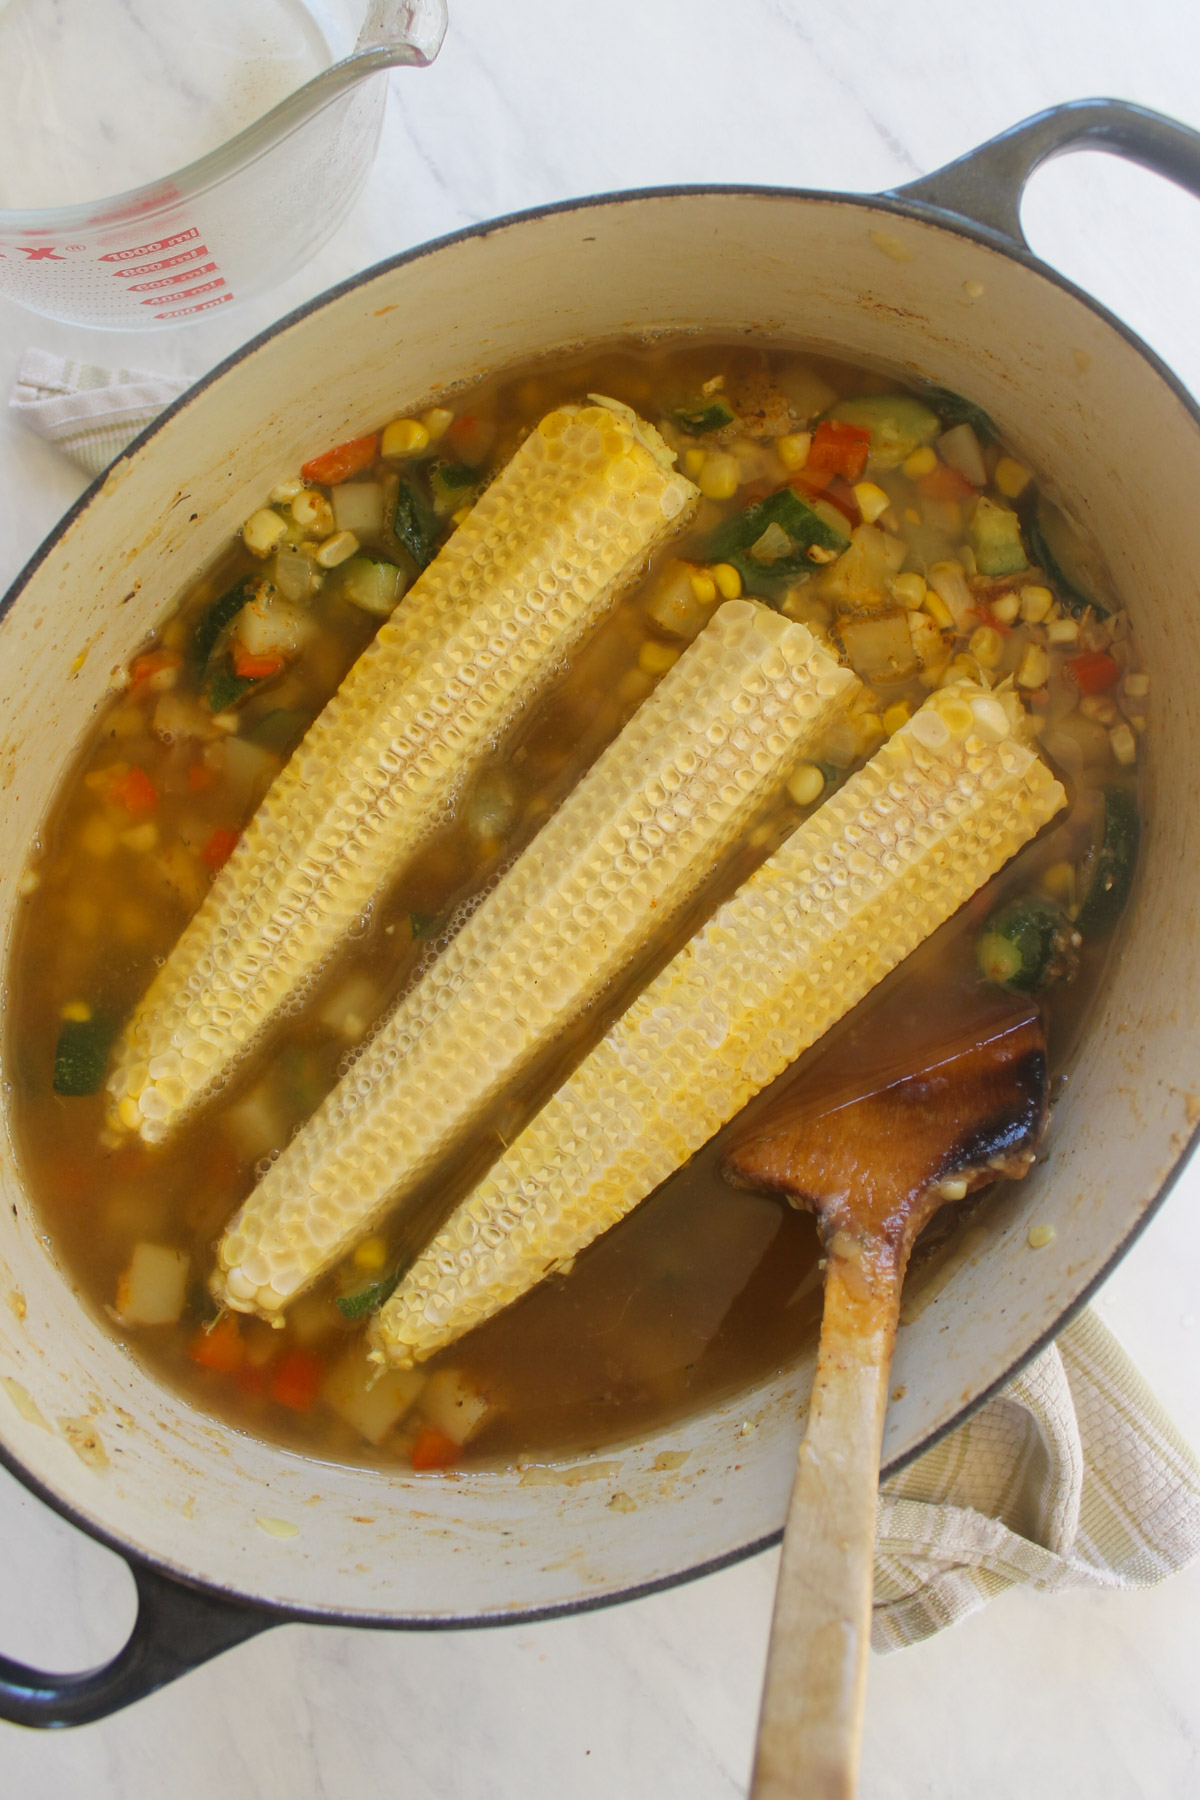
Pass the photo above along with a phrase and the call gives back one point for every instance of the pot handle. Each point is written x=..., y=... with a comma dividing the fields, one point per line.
x=177, y=1628
x=985, y=187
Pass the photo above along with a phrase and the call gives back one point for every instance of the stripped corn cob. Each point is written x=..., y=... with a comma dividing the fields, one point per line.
x=542, y=558
x=938, y=809
x=724, y=729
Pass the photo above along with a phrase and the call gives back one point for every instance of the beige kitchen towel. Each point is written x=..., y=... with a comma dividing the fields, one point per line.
x=91, y=413
x=1071, y=1476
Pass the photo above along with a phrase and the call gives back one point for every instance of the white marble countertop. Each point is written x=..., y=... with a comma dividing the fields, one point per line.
x=1092, y=1694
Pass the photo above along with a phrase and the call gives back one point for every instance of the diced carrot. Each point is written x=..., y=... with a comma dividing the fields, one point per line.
x=837, y=448
x=251, y=1379
x=256, y=668
x=470, y=438
x=343, y=461
x=944, y=483
x=155, y=662
x=135, y=792
x=200, y=776
x=1094, y=671
x=432, y=1449
x=219, y=848
x=296, y=1379
x=219, y=1346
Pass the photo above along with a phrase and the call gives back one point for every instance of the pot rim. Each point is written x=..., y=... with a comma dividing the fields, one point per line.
x=898, y=206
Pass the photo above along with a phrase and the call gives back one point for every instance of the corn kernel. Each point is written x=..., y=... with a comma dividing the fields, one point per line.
x=312, y=512
x=28, y=882
x=909, y=591
x=262, y=531
x=1100, y=708
x=920, y=462
x=870, y=730
x=98, y=837
x=1035, y=604
x=729, y=582
x=718, y=479
x=1137, y=686
x=370, y=1256
x=656, y=659
x=1059, y=881
x=404, y=437
x=129, y=1113
x=336, y=549
x=437, y=422
x=871, y=501
x=938, y=611
x=1006, y=608
x=1062, y=631
x=1011, y=477
x=704, y=588
x=1124, y=743
x=693, y=461
x=896, y=715
x=140, y=838
x=1034, y=669
x=1038, y=1236
x=805, y=785
x=793, y=449
x=285, y=491
x=77, y=1012
x=986, y=646
x=462, y=515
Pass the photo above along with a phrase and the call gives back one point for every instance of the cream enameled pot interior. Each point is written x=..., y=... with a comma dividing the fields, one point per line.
x=1085, y=407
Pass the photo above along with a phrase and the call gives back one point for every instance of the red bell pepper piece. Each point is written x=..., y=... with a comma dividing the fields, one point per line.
x=135, y=792
x=837, y=448
x=340, y=463
x=1094, y=671
x=432, y=1449
x=296, y=1380
x=219, y=1346
x=219, y=848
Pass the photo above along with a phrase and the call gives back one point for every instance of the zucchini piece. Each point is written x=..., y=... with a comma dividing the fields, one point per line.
x=81, y=1055
x=223, y=611
x=278, y=730
x=225, y=688
x=370, y=583
x=1026, y=946
x=413, y=523
x=451, y=485
x=769, y=542
x=697, y=417
x=368, y=1299
x=995, y=537
x=898, y=425
x=1114, y=862
x=1058, y=549
x=956, y=409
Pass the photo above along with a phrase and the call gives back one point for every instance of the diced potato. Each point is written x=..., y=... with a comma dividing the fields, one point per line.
x=370, y=1401
x=452, y=1403
x=351, y=1007
x=862, y=574
x=313, y=1318
x=249, y=770
x=153, y=1288
x=358, y=507
x=674, y=607
x=880, y=648
x=269, y=626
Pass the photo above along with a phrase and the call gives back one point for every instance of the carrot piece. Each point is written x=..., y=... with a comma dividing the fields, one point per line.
x=143, y=668
x=251, y=1379
x=135, y=792
x=343, y=461
x=432, y=1449
x=944, y=483
x=837, y=448
x=1094, y=671
x=219, y=1346
x=256, y=668
x=296, y=1380
x=200, y=776
x=219, y=848
x=470, y=438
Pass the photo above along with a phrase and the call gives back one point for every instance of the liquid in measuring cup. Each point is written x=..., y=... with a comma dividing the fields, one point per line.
x=100, y=96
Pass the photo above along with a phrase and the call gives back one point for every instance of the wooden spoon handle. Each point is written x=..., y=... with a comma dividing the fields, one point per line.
x=811, y=1719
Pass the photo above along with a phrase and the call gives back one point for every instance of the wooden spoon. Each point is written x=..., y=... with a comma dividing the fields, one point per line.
x=874, y=1166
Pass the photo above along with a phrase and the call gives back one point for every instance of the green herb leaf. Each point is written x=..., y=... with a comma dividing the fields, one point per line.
x=221, y=613
x=81, y=1055
x=697, y=417
x=413, y=524
x=368, y=1299
x=225, y=689
x=735, y=540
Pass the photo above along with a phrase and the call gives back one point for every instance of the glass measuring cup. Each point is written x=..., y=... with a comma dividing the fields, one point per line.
x=242, y=215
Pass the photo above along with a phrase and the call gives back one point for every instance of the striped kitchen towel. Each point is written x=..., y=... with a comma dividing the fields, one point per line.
x=89, y=412
x=1071, y=1476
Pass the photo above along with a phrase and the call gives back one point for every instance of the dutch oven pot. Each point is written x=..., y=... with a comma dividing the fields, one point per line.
x=934, y=279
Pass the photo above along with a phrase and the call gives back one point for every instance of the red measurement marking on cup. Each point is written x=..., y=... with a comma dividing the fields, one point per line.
x=206, y=287
x=169, y=281
x=168, y=243
x=164, y=262
x=40, y=252
x=183, y=312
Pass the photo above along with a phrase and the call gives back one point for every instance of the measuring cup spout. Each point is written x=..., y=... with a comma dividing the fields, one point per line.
x=416, y=28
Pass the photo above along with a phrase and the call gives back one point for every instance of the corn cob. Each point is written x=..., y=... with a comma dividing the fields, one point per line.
x=633, y=841
x=939, y=808
x=542, y=557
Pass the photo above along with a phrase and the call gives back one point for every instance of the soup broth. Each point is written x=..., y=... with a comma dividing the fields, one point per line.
x=703, y=1290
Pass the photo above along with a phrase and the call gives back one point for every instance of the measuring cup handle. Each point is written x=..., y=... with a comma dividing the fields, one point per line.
x=986, y=186
x=177, y=1628
x=418, y=24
